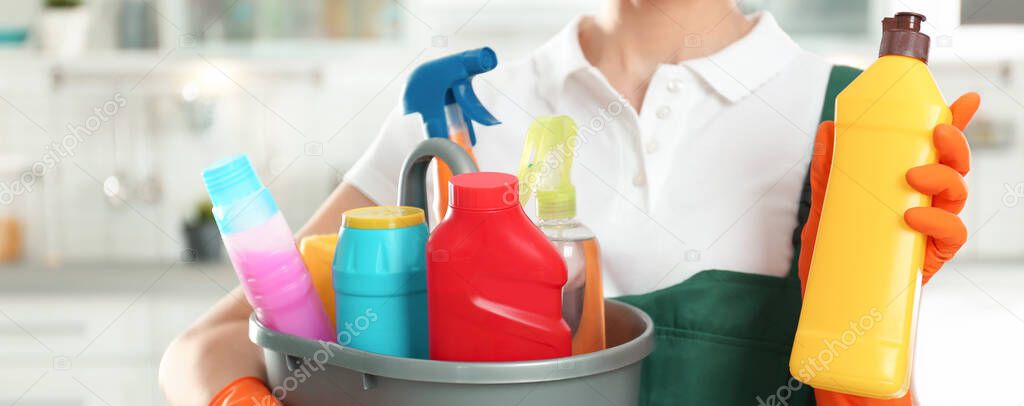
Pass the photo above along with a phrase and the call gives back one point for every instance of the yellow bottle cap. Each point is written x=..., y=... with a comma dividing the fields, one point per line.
x=382, y=217
x=545, y=168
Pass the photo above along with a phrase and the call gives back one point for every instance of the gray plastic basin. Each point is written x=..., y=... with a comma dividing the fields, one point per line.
x=311, y=373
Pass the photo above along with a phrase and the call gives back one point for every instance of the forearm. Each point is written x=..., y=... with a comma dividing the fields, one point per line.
x=210, y=354
x=197, y=366
x=327, y=219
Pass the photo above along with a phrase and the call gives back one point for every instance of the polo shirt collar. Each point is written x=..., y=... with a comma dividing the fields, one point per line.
x=733, y=72
x=742, y=67
x=559, y=59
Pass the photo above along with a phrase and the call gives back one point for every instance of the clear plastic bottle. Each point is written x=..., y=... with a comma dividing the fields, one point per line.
x=583, y=294
x=545, y=170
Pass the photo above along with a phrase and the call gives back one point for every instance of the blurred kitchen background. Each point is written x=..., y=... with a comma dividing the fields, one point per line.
x=109, y=109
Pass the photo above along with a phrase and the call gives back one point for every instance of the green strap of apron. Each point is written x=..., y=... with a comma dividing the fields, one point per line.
x=723, y=337
x=838, y=79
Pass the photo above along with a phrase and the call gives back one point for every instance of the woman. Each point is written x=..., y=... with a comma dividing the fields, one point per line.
x=697, y=125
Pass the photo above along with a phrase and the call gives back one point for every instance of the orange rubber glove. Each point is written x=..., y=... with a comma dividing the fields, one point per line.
x=946, y=232
x=247, y=391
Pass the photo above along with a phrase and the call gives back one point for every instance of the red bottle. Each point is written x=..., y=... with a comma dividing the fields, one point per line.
x=494, y=281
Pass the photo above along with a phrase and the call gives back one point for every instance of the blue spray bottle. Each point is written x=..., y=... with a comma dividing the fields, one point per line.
x=442, y=92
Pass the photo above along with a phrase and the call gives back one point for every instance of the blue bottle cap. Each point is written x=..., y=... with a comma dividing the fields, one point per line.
x=240, y=201
x=231, y=179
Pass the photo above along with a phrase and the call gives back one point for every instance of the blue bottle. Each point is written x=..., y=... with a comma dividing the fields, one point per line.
x=380, y=281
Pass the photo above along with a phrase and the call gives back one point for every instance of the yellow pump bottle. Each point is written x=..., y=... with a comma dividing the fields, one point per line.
x=545, y=169
x=857, y=326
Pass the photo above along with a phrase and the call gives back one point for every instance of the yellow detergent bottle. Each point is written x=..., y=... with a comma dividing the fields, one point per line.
x=857, y=325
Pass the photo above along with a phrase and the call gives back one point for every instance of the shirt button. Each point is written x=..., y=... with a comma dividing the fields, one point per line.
x=674, y=85
x=664, y=112
x=651, y=146
x=639, y=180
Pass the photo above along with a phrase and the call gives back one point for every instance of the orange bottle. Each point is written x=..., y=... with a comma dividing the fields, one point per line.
x=318, y=252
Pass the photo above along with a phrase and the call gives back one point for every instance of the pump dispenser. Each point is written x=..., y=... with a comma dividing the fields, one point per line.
x=441, y=91
x=861, y=300
x=546, y=171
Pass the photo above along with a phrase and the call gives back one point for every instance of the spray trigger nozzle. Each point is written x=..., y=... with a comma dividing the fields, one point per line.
x=435, y=85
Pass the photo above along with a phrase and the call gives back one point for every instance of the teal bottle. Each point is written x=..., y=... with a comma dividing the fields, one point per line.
x=380, y=284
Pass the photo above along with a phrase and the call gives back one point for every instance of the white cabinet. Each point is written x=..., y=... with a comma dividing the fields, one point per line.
x=75, y=326
x=73, y=345
x=78, y=385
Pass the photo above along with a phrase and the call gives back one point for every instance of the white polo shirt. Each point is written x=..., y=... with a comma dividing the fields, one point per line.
x=707, y=176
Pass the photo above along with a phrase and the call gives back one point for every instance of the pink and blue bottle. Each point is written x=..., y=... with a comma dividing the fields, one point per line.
x=263, y=252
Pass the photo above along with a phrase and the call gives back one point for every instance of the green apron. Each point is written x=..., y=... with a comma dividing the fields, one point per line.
x=723, y=337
